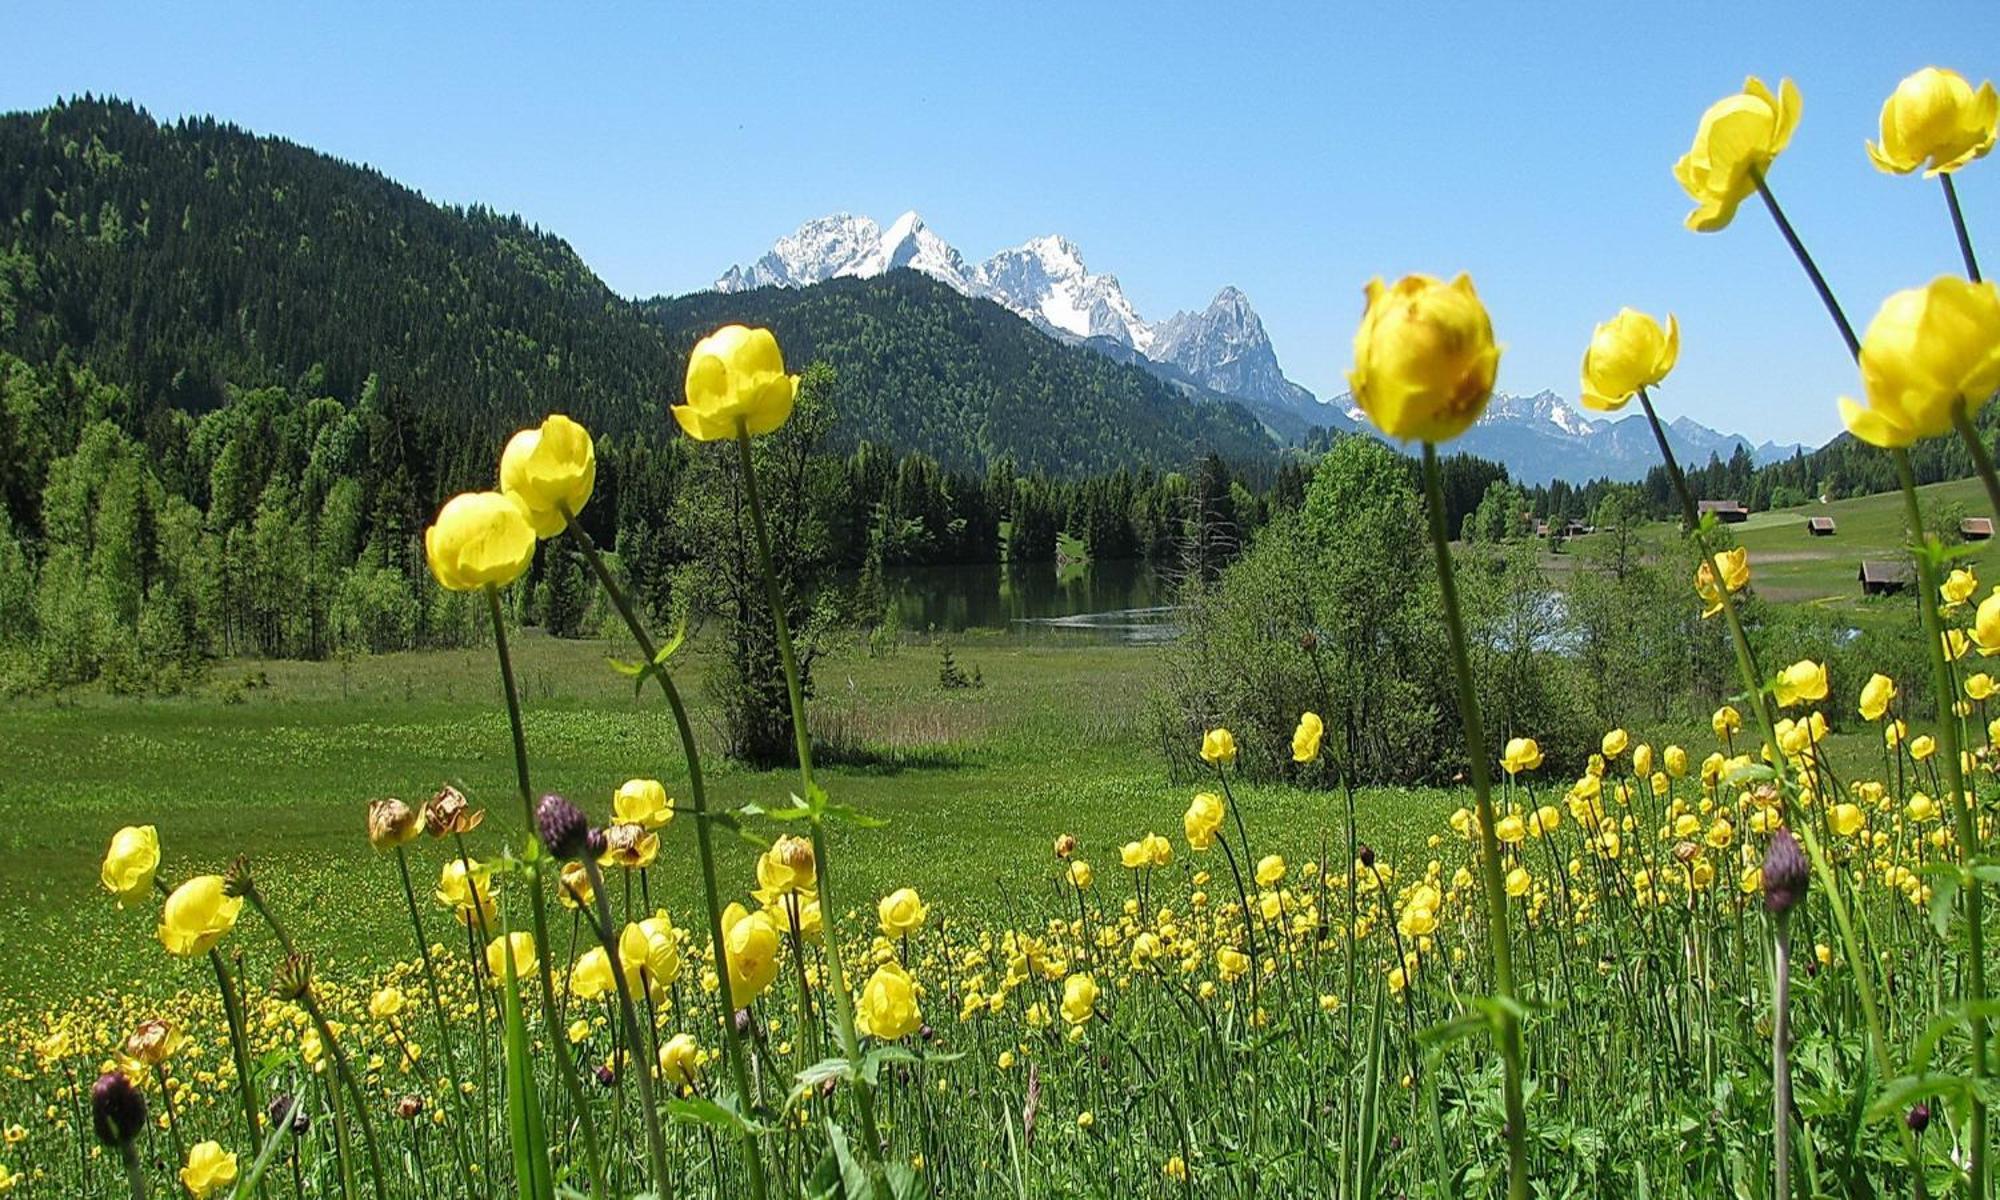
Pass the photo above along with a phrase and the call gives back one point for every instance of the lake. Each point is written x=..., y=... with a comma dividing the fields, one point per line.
x=1114, y=601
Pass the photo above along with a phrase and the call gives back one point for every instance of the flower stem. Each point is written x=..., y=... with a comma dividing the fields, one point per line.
x=1958, y=227
x=437, y=1010
x=1974, y=978
x=1981, y=460
x=836, y=980
x=636, y=1045
x=732, y=1044
x=135, y=1173
x=1781, y=1059
x=1812, y=269
x=239, y=1044
x=353, y=1086
x=1497, y=938
x=566, y=1062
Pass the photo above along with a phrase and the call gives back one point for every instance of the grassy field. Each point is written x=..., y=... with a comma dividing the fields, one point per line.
x=1056, y=740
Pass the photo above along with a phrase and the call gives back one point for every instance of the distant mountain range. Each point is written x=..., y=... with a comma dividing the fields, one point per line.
x=1219, y=353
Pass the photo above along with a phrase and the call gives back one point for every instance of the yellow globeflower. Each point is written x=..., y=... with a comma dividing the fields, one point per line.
x=787, y=868
x=633, y=847
x=210, y=1170
x=392, y=823
x=1738, y=139
x=888, y=1008
x=130, y=863
x=1876, y=696
x=1958, y=587
x=1980, y=686
x=520, y=947
x=1218, y=747
x=1846, y=819
x=1305, y=739
x=1935, y=117
x=1986, y=625
x=388, y=1002
x=680, y=1060
x=1270, y=870
x=591, y=978
x=750, y=940
x=1676, y=760
x=1081, y=875
x=548, y=470
x=1424, y=358
x=736, y=380
x=1627, y=353
x=1735, y=566
x=479, y=539
x=901, y=913
x=1521, y=754
x=1801, y=683
x=1519, y=881
x=1929, y=354
x=1613, y=743
x=1726, y=721
x=197, y=916
x=1202, y=820
x=1079, y=999
x=466, y=887
x=641, y=802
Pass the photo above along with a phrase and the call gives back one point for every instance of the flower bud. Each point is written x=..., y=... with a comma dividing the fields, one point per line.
x=562, y=827
x=1065, y=845
x=292, y=977
x=281, y=1106
x=236, y=878
x=1786, y=875
x=606, y=1076
x=117, y=1108
x=410, y=1107
x=1367, y=856
x=1918, y=1118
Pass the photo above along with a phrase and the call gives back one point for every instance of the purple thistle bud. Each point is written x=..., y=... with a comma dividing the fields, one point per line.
x=606, y=1076
x=1786, y=875
x=1367, y=856
x=563, y=827
x=117, y=1108
x=1919, y=1118
x=598, y=843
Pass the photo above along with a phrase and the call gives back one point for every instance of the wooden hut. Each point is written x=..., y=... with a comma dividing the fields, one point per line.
x=1884, y=578
x=1819, y=526
x=1976, y=529
x=1732, y=511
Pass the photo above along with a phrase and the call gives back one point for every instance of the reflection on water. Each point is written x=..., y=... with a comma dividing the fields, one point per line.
x=1123, y=601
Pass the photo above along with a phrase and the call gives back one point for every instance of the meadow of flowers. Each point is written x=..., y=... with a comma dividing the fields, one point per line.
x=1725, y=968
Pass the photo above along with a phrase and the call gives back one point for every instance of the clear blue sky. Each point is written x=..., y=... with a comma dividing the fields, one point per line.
x=1292, y=152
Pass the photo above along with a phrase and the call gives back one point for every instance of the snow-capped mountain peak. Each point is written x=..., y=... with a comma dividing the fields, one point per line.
x=1544, y=407
x=1045, y=280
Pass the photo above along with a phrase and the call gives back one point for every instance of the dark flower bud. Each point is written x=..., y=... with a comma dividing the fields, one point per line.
x=410, y=1107
x=606, y=1076
x=742, y=1022
x=236, y=880
x=293, y=977
x=1308, y=641
x=1786, y=874
x=563, y=827
x=1367, y=856
x=598, y=843
x=117, y=1108
x=281, y=1108
x=1919, y=1118
x=925, y=1032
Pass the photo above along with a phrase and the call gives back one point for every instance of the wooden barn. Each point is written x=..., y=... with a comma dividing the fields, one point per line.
x=1732, y=511
x=1819, y=526
x=1976, y=529
x=1884, y=578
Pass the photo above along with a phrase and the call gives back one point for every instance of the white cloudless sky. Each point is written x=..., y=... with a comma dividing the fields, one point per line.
x=1292, y=150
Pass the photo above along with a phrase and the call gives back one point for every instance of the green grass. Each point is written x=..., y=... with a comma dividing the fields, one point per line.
x=975, y=784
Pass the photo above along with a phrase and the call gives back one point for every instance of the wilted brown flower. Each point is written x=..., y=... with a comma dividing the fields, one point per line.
x=1065, y=846
x=449, y=812
x=153, y=1042
x=392, y=823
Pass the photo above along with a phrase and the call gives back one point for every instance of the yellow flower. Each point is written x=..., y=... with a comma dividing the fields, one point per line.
x=1084, y=1120
x=1986, y=625
x=1726, y=721
x=1876, y=696
x=680, y=1060
x=633, y=847
x=1922, y=746
x=1676, y=760
x=1613, y=744
x=888, y=1008
x=1801, y=683
x=1418, y=919
x=750, y=941
x=1522, y=754
x=1158, y=850
x=1627, y=353
x=1519, y=881
x=1175, y=1168
x=1079, y=999
x=1201, y=821
x=1081, y=875
x=1218, y=747
x=1930, y=353
x=575, y=891
x=1846, y=819
x=1305, y=739
x=1424, y=358
x=1231, y=963
x=550, y=470
x=787, y=868
x=641, y=802
x=1979, y=686
x=466, y=887
x=1270, y=870
x=479, y=539
x=736, y=379
x=591, y=977
x=1510, y=829
x=1934, y=116
x=1958, y=587
x=152, y=1043
x=197, y=916
x=520, y=947
x=210, y=1169
x=1921, y=808
x=388, y=1002
x=901, y=913
x=130, y=863
x=1735, y=576
x=391, y=823
x=1738, y=139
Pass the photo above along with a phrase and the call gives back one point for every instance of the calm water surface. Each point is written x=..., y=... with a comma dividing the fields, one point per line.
x=1122, y=601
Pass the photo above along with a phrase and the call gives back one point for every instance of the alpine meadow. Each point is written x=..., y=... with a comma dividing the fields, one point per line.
x=897, y=724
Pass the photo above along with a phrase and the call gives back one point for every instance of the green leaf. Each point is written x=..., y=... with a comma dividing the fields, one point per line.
x=673, y=643
x=812, y=1078
x=630, y=670
x=527, y=1136
x=850, y=815
x=1899, y=1094
x=700, y=1110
